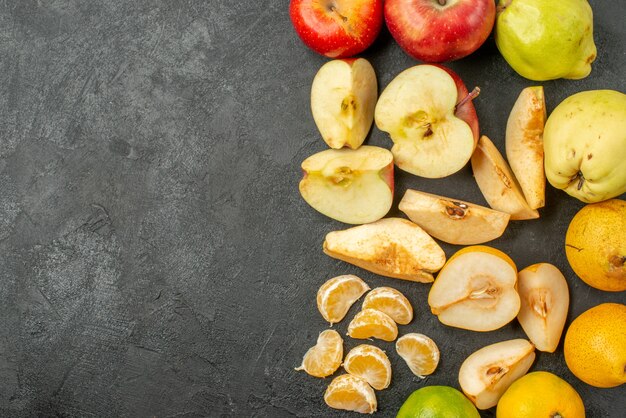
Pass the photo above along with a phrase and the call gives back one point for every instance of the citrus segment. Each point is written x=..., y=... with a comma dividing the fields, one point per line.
x=391, y=302
x=420, y=353
x=370, y=363
x=351, y=393
x=370, y=323
x=336, y=296
x=324, y=358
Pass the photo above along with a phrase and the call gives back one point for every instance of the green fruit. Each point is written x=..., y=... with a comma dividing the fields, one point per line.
x=437, y=402
x=546, y=39
x=584, y=143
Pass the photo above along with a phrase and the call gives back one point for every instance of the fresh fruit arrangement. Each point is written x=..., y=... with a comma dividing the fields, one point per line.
x=429, y=116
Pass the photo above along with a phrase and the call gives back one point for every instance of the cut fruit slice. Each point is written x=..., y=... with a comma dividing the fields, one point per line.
x=390, y=301
x=370, y=323
x=487, y=373
x=324, y=358
x=391, y=247
x=343, y=97
x=475, y=290
x=351, y=186
x=351, y=393
x=545, y=300
x=420, y=353
x=453, y=221
x=524, y=144
x=497, y=183
x=336, y=296
x=369, y=363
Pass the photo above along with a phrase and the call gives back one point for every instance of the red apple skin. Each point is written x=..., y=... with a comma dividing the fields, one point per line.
x=431, y=32
x=467, y=111
x=327, y=33
x=388, y=176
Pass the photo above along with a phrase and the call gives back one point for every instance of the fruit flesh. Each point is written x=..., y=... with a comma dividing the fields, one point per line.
x=370, y=323
x=351, y=393
x=370, y=363
x=337, y=295
x=390, y=301
x=324, y=358
x=419, y=352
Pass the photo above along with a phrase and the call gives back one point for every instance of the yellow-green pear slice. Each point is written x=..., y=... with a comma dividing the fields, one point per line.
x=524, y=144
x=497, y=182
x=343, y=97
x=452, y=220
x=391, y=247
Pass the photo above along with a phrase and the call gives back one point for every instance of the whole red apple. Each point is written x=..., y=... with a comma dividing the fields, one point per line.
x=337, y=28
x=440, y=30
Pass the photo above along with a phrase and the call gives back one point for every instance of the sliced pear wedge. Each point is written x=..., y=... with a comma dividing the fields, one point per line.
x=524, y=144
x=487, y=373
x=453, y=221
x=391, y=247
x=545, y=300
x=497, y=183
x=475, y=290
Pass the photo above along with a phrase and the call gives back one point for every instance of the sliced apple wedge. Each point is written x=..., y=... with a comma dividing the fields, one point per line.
x=343, y=98
x=419, y=111
x=351, y=186
x=487, y=373
x=391, y=247
x=451, y=220
x=497, y=183
x=524, y=144
x=545, y=301
x=475, y=290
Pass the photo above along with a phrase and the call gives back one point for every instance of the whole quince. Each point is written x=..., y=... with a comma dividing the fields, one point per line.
x=584, y=143
x=546, y=39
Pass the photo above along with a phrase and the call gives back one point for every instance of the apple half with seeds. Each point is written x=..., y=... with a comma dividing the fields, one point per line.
x=451, y=220
x=351, y=186
x=428, y=113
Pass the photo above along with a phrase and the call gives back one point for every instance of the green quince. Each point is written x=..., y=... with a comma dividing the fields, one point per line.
x=546, y=39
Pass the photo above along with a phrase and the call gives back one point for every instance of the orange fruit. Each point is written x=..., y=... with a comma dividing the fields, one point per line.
x=370, y=323
x=370, y=363
x=351, y=393
x=336, y=296
x=420, y=353
x=324, y=358
x=391, y=302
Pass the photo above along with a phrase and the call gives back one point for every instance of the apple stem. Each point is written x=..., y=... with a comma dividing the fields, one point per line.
x=470, y=96
x=334, y=10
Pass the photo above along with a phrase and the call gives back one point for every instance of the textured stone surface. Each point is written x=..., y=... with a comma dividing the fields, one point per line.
x=157, y=259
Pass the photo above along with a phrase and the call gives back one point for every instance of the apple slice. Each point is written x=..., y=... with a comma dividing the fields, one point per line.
x=487, y=373
x=351, y=186
x=524, y=144
x=545, y=301
x=475, y=290
x=497, y=183
x=391, y=247
x=419, y=111
x=451, y=220
x=343, y=97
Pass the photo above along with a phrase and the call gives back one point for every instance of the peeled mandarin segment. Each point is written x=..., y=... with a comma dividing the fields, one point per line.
x=420, y=353
x=351, y=393
x=324, y=358
x=370, y=363
x=336, y=296
x=370, y=323
x=390, y=301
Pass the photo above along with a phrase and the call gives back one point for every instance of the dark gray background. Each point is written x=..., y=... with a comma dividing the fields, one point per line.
x=157, y=259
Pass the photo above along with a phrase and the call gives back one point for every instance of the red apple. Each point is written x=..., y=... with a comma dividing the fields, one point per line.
x=440, y=30
x=337, y=28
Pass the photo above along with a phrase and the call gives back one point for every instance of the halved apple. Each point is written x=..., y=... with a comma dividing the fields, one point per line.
x=451, y=220
x=497, y=183
x=475, y=290
x=343, y=97
x=391, y=247
x=419, y=111
x=545, y=301
x=487, y=373
x=351, y=186
x=524, y=144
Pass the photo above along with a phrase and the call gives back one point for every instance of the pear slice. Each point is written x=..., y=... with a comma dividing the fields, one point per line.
x=453, y=221
x=487, y=373
x=343, y=98
x=497, y=183
x=391, y=247
x=524, y=144
x=475, y=290
x=545, y=300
